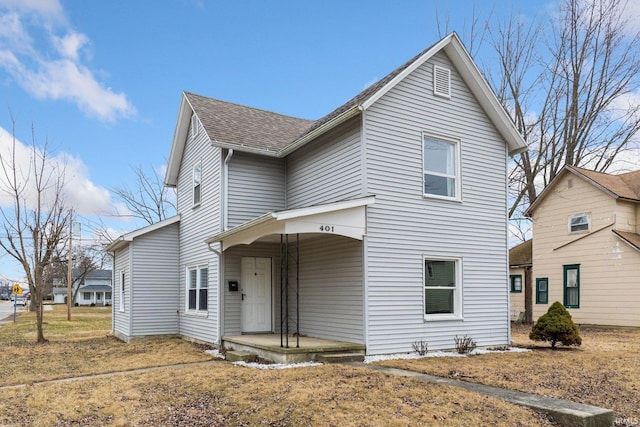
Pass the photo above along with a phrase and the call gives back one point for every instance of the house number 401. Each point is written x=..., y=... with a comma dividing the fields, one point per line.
x=327, y=228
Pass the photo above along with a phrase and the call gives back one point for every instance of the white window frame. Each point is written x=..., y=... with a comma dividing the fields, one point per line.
x=195, y=125
x=122, y=290
x=572, y=217
x=457, y=291
x=197, y=184
x=458, y=173
x=198, y=268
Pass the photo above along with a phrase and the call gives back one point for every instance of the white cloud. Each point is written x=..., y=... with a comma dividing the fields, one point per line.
x=79, y=191
x=53, y=66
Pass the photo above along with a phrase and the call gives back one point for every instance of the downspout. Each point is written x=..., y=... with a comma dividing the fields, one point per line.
x=225, y=192
x=113, y=282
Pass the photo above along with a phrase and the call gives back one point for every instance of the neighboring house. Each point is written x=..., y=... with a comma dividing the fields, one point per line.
x=382, y=223
x=586, y=246
x=95, y=288
x=519, y=273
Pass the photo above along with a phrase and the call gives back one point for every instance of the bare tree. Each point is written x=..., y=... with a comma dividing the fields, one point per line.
x=567, y=90
x=149, y=200
x=35, y=223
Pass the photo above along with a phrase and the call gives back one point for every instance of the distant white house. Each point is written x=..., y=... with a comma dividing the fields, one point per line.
x=95, y=288
x=380, y=224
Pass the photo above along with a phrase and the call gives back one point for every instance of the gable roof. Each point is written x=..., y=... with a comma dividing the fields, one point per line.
x=124, y=239
x=632, y=239
x=625, y=186
x=248, y=129
x=520, y=255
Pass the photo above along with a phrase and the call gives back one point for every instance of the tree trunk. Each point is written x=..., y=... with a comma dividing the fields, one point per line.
x=39, y=316
x=528, y=296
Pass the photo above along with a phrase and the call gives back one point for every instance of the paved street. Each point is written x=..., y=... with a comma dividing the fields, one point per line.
x=6, y=311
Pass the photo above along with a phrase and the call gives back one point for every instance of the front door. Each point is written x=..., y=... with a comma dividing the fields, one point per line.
x=255, y=284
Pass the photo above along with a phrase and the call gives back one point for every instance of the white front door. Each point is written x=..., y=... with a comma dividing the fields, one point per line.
x=255, y=288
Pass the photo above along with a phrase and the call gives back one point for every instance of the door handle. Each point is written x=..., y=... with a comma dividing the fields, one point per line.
x=243, y=295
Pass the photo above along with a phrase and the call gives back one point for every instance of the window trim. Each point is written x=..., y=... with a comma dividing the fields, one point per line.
x=511, y=283
x=458, y=172
x=197, y=170
x=538, y=299
x=198, y=268
x=566, y=268
x=122, y=290
x=457, y=292
x=571, y=217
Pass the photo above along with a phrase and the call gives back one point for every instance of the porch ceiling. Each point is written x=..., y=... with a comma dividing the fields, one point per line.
x=346, y=218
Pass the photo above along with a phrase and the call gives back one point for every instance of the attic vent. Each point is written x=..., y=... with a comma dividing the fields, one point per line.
x=441, y=81
x=569, y=183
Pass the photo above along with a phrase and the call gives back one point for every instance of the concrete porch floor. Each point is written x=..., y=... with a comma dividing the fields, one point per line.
x=267, y=346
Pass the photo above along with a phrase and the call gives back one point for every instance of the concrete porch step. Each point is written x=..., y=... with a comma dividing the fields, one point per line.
x=340, y=357
x=239, y=356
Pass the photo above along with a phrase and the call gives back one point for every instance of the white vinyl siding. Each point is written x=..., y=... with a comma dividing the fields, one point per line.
x=256, y=186
x=121, y=315
x=403, y=226
x=327, y=170
x=156, y=285
x=196, y=225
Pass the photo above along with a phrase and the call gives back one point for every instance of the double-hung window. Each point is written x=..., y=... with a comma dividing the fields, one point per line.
x=516, y=283
x=441, y=167
x=542, y=290
x=571, y=275
x=579, y=222
x=197, y=183
x=442, y=288
x=197, y=288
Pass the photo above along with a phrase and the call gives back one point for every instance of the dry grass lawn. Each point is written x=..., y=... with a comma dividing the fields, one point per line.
x=82, y=346
x=604, y=371
x=214, y=394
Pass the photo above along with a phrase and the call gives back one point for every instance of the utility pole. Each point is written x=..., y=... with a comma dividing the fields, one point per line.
x=70, y=266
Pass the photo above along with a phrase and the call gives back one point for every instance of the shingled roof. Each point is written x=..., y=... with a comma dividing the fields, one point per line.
x=632, y=239
x=233, y=124
x=624, y=185
x=244, y=128
x=520, y=255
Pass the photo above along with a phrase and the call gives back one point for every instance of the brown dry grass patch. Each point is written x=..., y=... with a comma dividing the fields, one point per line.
x=82, y=346
x=604, y=371
x=215, y=394
x=222, y=394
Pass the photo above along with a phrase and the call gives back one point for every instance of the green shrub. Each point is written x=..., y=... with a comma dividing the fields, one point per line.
x=556, y=326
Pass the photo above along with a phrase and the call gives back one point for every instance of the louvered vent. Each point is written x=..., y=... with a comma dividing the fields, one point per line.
x=441, y=81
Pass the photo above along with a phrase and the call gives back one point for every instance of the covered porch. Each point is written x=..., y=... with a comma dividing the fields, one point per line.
x=292, y=287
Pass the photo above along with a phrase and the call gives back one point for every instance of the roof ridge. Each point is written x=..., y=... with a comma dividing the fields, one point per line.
x=246, y=106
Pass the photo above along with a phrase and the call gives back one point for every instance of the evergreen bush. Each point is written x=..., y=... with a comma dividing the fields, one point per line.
x=556, y=326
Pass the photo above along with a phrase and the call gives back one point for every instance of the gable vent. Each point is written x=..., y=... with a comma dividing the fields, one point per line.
x=441, y=81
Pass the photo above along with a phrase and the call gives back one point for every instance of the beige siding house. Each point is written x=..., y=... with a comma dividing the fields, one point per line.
x=519, y=274
x=586, y=251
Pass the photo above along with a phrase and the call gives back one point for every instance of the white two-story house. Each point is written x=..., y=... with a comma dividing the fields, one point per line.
x=381, y=224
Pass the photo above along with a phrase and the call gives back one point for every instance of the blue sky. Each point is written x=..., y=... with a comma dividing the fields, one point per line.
x=101, y=81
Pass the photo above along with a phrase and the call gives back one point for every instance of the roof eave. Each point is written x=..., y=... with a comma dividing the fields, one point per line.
x=179, y=142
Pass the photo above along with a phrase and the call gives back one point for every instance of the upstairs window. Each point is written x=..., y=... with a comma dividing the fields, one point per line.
x=516, y=283
x=441, y=168
x=579, y=222
x=197, y=183
x=197, y=288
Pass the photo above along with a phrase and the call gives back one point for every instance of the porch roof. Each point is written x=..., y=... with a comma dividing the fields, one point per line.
x=345, y=218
